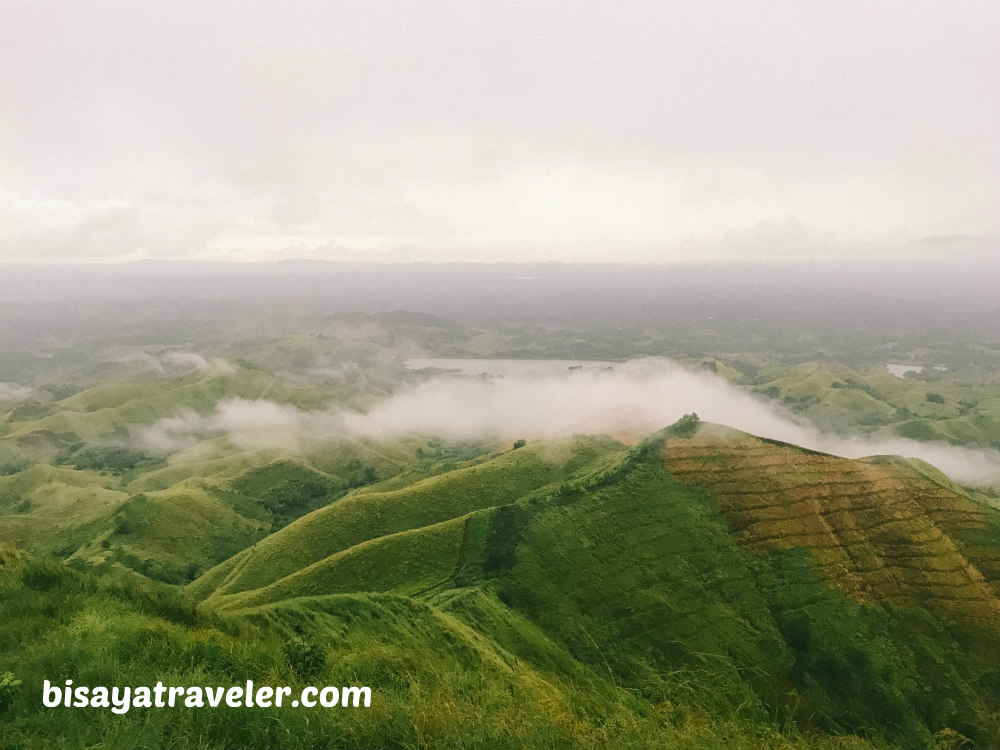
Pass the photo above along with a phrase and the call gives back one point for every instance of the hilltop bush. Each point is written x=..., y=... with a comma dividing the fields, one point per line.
x=686, y=425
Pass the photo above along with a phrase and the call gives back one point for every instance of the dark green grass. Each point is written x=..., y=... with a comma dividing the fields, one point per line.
x=463, y=671
x=566, y=595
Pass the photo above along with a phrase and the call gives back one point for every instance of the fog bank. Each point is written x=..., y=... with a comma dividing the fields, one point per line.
x=13, y=392
x=634, y=399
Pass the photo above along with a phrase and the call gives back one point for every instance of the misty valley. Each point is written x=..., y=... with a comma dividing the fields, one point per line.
x=516, y=529
x=499, y=375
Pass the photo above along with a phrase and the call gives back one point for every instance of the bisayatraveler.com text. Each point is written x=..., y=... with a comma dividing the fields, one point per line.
x=121, y=699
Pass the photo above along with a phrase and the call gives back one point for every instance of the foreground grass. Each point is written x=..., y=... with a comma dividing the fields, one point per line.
x=436, y=680
x=585, y=597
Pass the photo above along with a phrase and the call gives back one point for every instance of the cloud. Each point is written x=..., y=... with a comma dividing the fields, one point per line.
x=13, y=392
x=194, y=361
x=635, y=398
x=98, y=229
x=248, y=424
x=151, y=361
x=548, y=130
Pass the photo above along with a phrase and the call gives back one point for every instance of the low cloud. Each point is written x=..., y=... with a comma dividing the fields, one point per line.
x=194, y=361
x=248, y=424
x=633, y=399
x=13, y=392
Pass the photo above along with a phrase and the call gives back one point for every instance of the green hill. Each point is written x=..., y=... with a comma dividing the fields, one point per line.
x=364, y=516
x=705, y=588
x=816, y=589
x=957, y=407
x=463, y=670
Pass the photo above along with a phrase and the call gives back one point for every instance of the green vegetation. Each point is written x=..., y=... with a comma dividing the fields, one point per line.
x=702, y=588
x=482, y=676
x=360, y=517
x=116, y=460
x=639, y=580
x=958, y=407
x=606, y=604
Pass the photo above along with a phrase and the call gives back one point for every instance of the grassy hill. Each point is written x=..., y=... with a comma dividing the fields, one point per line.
x=958, y=407
x=705, y=588
x=365, y=516
x=704, y=568
x=482, y=677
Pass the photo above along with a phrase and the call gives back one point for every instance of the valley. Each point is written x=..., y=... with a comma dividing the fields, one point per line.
x=510, y=550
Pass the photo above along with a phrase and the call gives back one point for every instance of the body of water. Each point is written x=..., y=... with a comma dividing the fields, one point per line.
x=901, y=370
x=509, y=367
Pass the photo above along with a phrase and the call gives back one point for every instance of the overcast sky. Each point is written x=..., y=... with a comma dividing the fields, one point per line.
x=498, y=131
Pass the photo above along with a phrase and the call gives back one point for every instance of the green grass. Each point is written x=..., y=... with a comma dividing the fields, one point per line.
x=364, y=516
x=620, y=573
x=483, y=676
x=571, y=593
x=840, y=399
x=407, y=562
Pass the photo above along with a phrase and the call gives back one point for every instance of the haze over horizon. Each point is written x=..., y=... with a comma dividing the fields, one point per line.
x=478, y=132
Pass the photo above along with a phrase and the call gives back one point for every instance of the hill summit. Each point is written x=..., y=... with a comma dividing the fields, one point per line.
x=819, y=589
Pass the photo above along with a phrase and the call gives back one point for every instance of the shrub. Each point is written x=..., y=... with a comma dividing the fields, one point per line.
x=686, y=425
x=13, y=465
x=41, y=578
x=116, y=460
x=305, y=658
x=9, y=689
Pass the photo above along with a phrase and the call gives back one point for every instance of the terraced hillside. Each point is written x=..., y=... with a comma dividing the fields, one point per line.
x=704, y=567
x=881, y=529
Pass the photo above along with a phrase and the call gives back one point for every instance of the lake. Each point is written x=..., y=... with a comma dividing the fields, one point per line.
x=901, y=370
x=509, y=367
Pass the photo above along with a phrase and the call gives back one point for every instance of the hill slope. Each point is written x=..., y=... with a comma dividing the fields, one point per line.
x=705, y=588
x=362, y=517
x=705, y=563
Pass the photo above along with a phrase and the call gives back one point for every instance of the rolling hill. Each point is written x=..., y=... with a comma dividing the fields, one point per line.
x=702, y=588
x=704, y=562
x=958, y=407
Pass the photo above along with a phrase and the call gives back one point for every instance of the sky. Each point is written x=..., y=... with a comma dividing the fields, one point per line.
x=502, y=131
